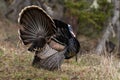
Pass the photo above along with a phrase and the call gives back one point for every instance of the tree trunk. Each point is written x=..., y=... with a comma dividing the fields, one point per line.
x=118, y=30
x=101, y=46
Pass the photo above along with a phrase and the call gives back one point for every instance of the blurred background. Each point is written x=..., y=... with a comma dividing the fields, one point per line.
x=89, y=18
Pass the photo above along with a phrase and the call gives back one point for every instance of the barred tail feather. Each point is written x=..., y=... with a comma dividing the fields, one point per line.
x=36, y=26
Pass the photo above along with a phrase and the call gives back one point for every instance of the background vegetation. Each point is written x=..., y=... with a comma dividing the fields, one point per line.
x=89, y=23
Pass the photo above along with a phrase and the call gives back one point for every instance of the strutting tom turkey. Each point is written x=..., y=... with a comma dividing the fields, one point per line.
x=51, y=40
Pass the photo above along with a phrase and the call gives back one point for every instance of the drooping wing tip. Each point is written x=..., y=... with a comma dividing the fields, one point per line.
x=51, y=63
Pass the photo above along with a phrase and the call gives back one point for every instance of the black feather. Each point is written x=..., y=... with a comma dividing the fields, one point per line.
x=63, y=34
x=72, y=48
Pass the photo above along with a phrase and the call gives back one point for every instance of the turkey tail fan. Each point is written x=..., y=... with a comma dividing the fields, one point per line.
x=36, y=27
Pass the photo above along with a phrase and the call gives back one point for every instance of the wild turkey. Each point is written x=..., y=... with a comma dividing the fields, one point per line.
x=51, y=40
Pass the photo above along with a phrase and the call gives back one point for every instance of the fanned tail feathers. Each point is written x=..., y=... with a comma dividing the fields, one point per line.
x=36, y=27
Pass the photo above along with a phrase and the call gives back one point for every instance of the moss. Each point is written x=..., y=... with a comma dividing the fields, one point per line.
x=1, y=52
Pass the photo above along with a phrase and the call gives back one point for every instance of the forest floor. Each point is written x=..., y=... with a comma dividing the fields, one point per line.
x=15, y=62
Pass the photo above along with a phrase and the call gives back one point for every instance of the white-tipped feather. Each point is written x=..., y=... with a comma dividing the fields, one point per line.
x=31, y=24
x=20, y=37
x=22, y=11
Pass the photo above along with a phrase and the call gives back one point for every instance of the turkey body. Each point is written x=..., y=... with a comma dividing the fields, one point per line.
x=51, y=40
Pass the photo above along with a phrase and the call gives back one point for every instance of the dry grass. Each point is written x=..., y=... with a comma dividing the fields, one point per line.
x=15, y=63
